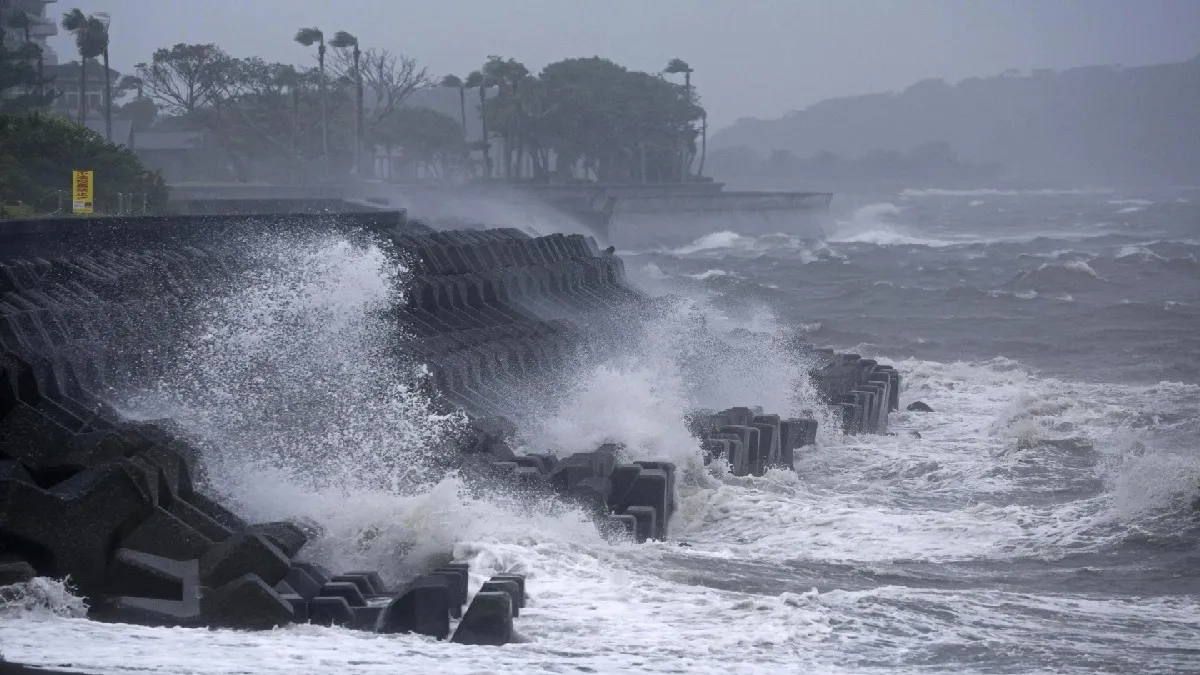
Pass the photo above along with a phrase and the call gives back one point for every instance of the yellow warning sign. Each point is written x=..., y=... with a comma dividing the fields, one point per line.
x=81, y=188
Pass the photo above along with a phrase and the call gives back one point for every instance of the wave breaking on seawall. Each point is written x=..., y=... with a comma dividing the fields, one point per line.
x=254, y=421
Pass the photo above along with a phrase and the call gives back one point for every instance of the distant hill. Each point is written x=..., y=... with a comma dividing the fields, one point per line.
x=1099, y=124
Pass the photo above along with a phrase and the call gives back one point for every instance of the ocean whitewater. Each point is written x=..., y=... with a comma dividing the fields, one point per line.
x=1043, y=519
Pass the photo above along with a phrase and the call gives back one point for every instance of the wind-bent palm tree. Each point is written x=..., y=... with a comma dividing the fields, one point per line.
x=309, y=37
x=674, y=67
x=455, y=82
x=89, y=44
x=478, y=79
x=344, y=40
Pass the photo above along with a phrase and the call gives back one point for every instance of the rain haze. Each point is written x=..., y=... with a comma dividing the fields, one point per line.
x=714, y=336
x=753, y=58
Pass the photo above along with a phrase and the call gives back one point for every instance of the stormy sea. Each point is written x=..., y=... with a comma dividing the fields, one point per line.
x=1043, y=518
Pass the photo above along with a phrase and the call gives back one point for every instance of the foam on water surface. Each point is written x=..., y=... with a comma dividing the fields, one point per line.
x=740, y=598
x=1031, y=523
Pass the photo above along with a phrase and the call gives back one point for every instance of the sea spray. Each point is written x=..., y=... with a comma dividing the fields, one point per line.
x=295, y=383
x=686, y=355
x=40, y=596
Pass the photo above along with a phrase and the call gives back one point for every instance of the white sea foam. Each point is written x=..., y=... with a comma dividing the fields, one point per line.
x=879, y=224
x=1079, y=266
x=991, y=192
x=739, y=599
x=710, y=274
x=713, y=241
x=659, y=608
x=1139, y=252
x=691, y=355
x=293, y=384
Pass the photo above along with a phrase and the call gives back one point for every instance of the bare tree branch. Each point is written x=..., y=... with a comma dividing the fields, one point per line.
x=187, y=77
x=388, y=80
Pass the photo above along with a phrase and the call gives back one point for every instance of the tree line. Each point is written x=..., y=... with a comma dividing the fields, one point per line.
x=587, y=113
x=38, y=152
x=580, y=118
x=577, y=118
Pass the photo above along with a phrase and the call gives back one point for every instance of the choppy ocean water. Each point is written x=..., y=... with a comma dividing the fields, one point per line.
x=1041, y=520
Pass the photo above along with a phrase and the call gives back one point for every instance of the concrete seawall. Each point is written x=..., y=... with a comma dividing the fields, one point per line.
x=625, y=215
x=121, y=507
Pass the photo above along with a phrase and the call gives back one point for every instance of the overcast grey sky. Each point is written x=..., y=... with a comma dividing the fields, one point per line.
x=753, y=58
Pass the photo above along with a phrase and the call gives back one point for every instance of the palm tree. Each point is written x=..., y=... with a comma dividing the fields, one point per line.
x=478, y=79
x=90, y=44
x=101, y=29
x=309, y=37
x=455, y=82
x=344, y=40
x=674, y=67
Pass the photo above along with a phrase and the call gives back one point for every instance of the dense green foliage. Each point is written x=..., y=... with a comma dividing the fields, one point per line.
x=275, y=113
x=588, y=115
x=620, y=124
x=39, y=152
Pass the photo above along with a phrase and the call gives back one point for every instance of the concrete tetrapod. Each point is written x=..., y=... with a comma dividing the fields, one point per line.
x=124, y=509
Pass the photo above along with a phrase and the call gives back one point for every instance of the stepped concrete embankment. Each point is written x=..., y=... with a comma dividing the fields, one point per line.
x=120, y=507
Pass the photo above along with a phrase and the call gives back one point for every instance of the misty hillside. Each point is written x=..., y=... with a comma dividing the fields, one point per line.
x=1098, y=124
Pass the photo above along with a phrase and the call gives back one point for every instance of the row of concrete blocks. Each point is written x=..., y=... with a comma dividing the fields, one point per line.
x=426, y=605
x=489, y=378
x=749, y=440
x=862, y=391
x=518, y=293
x=111, y=273
x=111, y=507
x=467, y=251
x=628, y=500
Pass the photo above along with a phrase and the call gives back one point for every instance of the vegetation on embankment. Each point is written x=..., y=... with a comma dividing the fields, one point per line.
x=38, y=154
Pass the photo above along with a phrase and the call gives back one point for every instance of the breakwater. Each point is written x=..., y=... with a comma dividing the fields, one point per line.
x=120, y=507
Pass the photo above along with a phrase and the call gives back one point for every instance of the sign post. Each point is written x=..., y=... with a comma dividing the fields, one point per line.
x=81, y=188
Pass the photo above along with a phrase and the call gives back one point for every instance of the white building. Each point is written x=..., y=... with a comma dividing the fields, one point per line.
x=42, y=29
